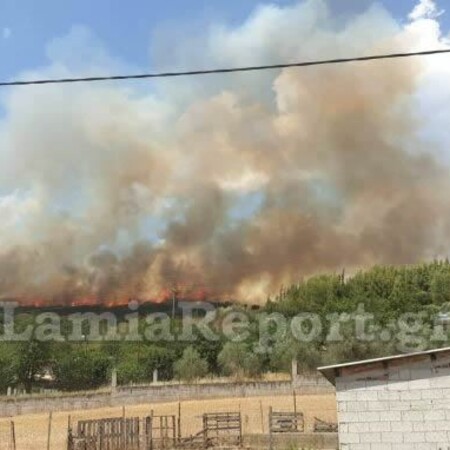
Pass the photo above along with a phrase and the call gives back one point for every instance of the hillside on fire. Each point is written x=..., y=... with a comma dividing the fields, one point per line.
x=227, y=187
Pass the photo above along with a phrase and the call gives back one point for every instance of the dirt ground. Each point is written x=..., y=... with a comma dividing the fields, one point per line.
x=32, y=430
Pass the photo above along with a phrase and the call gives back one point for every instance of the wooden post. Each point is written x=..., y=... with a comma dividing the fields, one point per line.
x=179, y=422
x=270, y=429
x=262, y=416
x=174, y=432
x=240, y=426
x=138, y=436
x=205, y=432
x=69, y=432
x=151, y=430
x=49, y=431
x=124, y=430
x=101, y=429
x=13, y=435
x=294, y=396
x=147, y=432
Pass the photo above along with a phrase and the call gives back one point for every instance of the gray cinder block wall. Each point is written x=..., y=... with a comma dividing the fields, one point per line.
x=132, y=395
x=394, y=403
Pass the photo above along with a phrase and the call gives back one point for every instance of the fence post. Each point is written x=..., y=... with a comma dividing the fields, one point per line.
x=270, y=429
x=49, y=431
x=69, y=433
x=295, y=408
x=262, y=416
x=179, y=422
x=205, y=433
x=13, y=435
x=124, y=430
x=138, y=434
x=174, y=432
x=151, y=429
x=240, y=427
x=147, y=421
x=101, y=423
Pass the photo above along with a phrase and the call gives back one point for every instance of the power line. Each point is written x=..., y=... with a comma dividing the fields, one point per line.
x=224, y=71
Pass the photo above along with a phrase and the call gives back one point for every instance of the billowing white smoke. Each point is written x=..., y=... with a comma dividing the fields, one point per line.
x=228, y=186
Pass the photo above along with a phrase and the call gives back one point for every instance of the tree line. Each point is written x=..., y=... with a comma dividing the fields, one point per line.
x=387, y=293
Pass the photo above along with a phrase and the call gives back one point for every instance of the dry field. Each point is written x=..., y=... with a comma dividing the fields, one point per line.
x=31, y=430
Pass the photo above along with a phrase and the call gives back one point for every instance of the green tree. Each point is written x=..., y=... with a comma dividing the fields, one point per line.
x=350, y=348
x=8, y=365
x=78, y=368
x=440, y=287
x=136, y=362
x=158, y=357
x=130, y=370
x=33, y=356
x=191, y=365
x=237, y=359
x=308, y=355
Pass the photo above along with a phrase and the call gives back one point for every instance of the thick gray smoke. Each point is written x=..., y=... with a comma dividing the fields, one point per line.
x=228, y=187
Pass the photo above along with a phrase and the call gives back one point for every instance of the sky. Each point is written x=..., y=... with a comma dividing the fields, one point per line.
x=244, y=182
x=127, y=29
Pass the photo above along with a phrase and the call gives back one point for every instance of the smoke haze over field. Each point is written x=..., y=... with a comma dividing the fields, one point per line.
x=227, y=186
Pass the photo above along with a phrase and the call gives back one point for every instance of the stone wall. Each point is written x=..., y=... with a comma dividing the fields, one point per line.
x=399, y=404
x=132, y=395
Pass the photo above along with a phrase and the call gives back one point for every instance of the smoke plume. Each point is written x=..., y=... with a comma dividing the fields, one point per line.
x=227, y=187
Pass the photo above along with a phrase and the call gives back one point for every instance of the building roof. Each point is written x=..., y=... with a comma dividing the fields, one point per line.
x=331, y=372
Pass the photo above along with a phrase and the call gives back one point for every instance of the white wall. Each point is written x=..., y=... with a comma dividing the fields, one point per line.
x=404, y=405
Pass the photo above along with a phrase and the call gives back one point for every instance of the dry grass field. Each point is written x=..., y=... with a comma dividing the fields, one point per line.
x=31, y=430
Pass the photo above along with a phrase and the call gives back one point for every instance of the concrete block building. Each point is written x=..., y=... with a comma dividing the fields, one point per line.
x=398, y=402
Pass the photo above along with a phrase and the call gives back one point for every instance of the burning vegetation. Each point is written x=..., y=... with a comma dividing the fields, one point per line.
x=226, y=187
